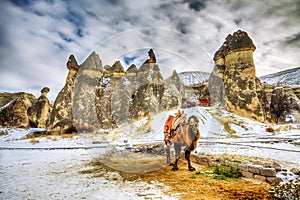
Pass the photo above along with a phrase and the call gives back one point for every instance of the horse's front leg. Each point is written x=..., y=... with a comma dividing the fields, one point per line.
x=177, y=148
x=168, y=154
x=187, y=156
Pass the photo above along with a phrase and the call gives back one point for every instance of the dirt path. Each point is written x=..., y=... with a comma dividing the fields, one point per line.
x=183, y=183
x=206, y=188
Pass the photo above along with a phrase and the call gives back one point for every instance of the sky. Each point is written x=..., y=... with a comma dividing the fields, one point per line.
x=37, y=37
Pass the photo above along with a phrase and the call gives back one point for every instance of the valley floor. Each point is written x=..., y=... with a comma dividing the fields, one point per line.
x=63, y=167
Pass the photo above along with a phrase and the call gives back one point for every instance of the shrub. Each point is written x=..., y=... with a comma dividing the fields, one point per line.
x=222, y=172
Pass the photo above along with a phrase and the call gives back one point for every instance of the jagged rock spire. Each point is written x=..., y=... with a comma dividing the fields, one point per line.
x=152, y=58
x=72, y=63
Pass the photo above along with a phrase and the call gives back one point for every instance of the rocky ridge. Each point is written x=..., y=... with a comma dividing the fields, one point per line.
x=97, y=97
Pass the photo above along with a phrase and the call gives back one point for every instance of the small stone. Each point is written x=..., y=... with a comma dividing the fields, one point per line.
x=295, y=171
x=273, y=180
x=243, y=167
x=247, y=174
x=259, y=177
x=254, y=169
x=269, y=172
x=233, y=165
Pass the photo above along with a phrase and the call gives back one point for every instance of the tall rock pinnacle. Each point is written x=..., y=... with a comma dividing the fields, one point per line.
x=61, y=118
x=39, y=113
x=233, y=82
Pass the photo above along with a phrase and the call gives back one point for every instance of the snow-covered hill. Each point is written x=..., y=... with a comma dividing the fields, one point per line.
x=287, y=77
x=193, y=77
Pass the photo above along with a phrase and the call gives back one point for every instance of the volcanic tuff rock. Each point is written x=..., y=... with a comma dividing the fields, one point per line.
x=83, y=107
x=285, y=105
x=109, y=95
x=61, y=118
x=6, y=97
x=233, y=78
x=174, y=91
x=39, y=113
x=13, y=110
x=147, y=98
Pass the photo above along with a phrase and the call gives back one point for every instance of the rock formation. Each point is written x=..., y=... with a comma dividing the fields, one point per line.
x=84, y=109
x=13, y=109
x=174, y=91
x=285, y=105
x=146, y=99
x=39, y=113
x=216, y=86
x=61, y=118
x=110, y=96
x=234, y=80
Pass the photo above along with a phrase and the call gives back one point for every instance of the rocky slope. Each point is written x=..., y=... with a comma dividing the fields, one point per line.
x=287, y=77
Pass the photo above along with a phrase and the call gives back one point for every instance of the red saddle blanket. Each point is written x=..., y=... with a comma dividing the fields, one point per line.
x=168, y=123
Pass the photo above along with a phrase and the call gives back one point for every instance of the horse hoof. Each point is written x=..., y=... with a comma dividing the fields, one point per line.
x=175, y=168
x=192, y=169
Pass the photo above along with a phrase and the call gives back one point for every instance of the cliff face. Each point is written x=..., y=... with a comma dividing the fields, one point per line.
x=233, y=82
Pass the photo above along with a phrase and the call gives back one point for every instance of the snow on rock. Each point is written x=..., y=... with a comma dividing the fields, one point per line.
x=193, y=77
x=287, y=77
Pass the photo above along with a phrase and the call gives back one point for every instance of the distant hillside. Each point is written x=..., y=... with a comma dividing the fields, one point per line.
x=286, y=77
x=193, y=77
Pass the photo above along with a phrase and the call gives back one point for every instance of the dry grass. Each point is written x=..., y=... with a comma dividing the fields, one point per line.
x=34, y=141
x=68, y=135
x=270, y=130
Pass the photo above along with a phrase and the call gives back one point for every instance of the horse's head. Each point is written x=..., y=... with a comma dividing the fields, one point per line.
x=193, y=123
x=183, y=119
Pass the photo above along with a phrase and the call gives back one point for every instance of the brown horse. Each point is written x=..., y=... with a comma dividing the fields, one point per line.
x=187, y=135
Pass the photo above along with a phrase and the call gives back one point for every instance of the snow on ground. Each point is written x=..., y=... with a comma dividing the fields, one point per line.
x=44, y=174
x=49, y=170
x=50, y=167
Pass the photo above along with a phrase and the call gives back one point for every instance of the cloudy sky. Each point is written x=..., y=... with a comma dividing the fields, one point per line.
x=37, y=37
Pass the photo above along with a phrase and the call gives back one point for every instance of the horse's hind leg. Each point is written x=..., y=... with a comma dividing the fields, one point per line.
x=187, y=156
x=177, y=148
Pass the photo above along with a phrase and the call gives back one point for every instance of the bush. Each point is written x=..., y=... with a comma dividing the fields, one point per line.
x=226, y=172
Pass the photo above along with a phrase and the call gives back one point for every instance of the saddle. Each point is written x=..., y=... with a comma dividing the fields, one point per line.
x=172, y=124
